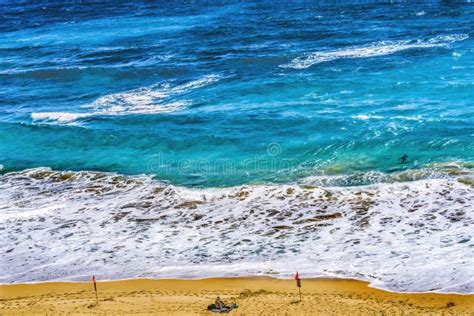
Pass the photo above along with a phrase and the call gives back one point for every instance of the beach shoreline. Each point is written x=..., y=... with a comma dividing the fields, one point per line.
x=254, y=295
x=126, y=226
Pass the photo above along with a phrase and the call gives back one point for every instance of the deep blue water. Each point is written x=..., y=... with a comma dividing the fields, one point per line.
x=236, y=92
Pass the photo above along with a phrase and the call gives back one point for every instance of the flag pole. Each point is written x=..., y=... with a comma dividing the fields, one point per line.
x=298, y=283
x=95, y=290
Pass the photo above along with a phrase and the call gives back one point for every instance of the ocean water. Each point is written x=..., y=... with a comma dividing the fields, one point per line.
x=238, y=138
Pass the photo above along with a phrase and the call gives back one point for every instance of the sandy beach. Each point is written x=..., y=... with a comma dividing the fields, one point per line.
x=255, y=296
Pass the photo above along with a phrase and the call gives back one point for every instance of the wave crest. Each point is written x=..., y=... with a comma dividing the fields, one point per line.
x=146, y=100
x=373, y=50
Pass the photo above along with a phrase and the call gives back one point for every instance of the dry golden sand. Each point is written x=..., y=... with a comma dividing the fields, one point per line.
x=256, y=296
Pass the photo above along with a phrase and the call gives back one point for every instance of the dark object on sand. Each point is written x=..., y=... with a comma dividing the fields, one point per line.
x=403, y=159
x=298, y=283
x=95, y=289
x=220, y=307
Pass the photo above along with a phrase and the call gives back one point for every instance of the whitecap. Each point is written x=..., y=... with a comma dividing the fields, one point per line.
x=373, y=50
x=406, y=106
x=407, y=118
x=59, y=117
x=145, y=100
x=365, y=117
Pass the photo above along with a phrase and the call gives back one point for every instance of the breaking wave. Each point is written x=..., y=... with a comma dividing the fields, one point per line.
x=372, y=50
x=146, y=100
x=59, y=117
x=401, y=236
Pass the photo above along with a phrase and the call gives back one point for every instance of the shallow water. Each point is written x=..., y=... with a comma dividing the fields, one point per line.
x=207, y=101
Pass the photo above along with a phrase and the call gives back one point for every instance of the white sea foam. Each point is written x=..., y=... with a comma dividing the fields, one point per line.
x=365, y=117
x=372, y=50
x=146, y=100
x=402, y=236
x=59, y=117
x=408, y=118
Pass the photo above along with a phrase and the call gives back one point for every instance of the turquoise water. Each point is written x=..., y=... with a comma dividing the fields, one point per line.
x=199, y=94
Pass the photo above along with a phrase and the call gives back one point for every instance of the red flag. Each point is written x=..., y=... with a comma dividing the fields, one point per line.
x=298, y=280
x=297, y=276
x=298, y=283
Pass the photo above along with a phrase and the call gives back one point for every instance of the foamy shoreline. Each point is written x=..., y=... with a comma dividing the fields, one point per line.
x=404, y=237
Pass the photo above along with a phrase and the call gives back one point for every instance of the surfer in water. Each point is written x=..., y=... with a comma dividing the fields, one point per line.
x=403, y=159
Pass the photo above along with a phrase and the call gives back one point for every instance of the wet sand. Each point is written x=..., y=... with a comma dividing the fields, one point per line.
x=255, y=296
